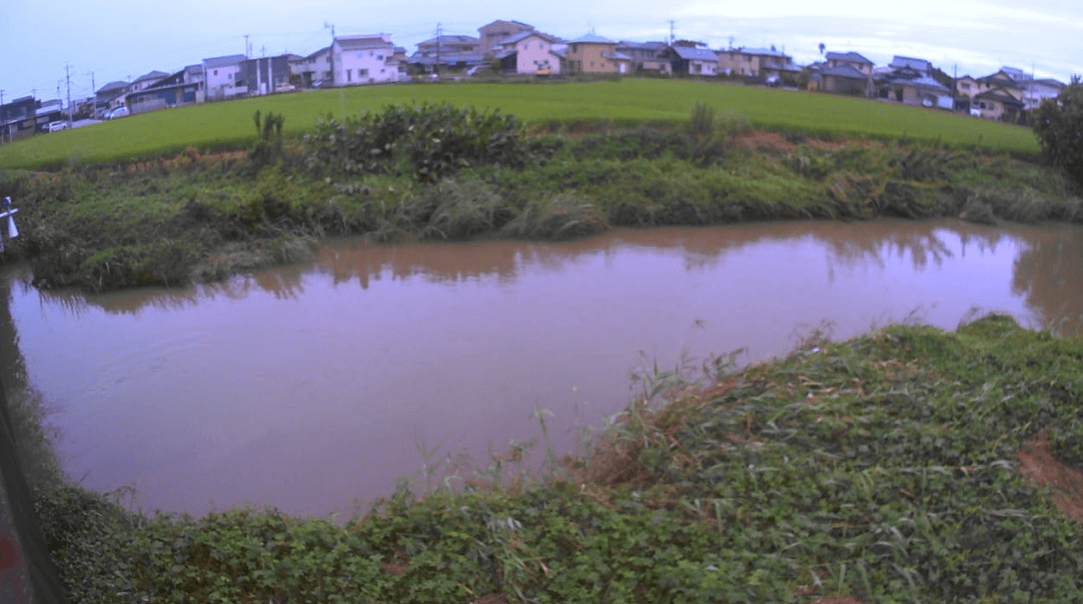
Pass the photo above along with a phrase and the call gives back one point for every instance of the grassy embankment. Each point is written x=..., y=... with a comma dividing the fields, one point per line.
x=203, y=215
x=893, y=467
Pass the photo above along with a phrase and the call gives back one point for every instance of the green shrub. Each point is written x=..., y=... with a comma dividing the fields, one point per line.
x=1058, y=124
x=426, y=141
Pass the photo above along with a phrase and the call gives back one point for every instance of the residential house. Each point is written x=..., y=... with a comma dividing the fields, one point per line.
x=492, y=35
x=266, y=75
x=920, y=66
x=530, y=52
x=691, y=60
x=646, y=56
x=849, y=59
x=845, y=73
x=994, y=96
x=17, y=118
x=452, y=44
x=366, y=59
x=594, y=54
x=967, y=86
x=909, y=80
x=182, y=88
x=1040, y=90
x=1007, y=78
x=760, y=63
x=313, y=69
x=997, y=104
x=109, y=97
x=447, y=54
x=147, y=80
x=1034, y=90
x=224, y=77
x=193, y=74
x=921, y=90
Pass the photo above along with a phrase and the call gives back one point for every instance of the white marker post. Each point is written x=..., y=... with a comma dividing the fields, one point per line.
x=6, y=211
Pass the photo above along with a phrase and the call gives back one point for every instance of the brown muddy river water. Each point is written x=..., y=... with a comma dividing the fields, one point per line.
x=307, y=386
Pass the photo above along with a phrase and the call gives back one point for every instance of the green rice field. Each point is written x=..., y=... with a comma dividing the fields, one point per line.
x=230, y=123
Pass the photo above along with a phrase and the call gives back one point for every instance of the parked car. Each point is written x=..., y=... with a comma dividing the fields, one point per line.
x=54, y=126
x=118, y=112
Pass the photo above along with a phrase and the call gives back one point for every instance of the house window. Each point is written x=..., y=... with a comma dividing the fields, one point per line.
x=575, y=48
x=379, y=57
x=215, y=72
x=362, y=73
x=592, y=63
x=349, y=75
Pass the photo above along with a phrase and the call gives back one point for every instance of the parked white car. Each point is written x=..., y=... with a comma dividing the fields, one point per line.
x=118, y=112
x=55, y=126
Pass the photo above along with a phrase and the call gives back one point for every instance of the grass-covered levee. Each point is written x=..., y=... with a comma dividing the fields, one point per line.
x=906, y=465
x=439, y=172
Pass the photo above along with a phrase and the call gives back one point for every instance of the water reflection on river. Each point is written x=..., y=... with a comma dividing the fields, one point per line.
x=307, y=386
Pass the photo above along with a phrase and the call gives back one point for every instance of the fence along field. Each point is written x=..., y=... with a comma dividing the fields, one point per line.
x=229, y=124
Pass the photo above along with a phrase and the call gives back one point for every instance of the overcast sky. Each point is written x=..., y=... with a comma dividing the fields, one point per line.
x=123, y=39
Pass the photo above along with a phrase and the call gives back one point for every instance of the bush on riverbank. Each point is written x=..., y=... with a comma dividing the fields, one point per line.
x=888, y=467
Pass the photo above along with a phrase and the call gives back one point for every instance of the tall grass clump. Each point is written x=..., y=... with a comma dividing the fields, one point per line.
x=427, y=142
x=268, y=146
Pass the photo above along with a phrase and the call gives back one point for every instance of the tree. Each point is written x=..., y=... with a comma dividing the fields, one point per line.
x=692, y=43
x=1059, y=127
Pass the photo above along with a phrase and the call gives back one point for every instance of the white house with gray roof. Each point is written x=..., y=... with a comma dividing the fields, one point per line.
x=147, y=80
x=314, y=68
x=368, y=59
x=224, y=77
